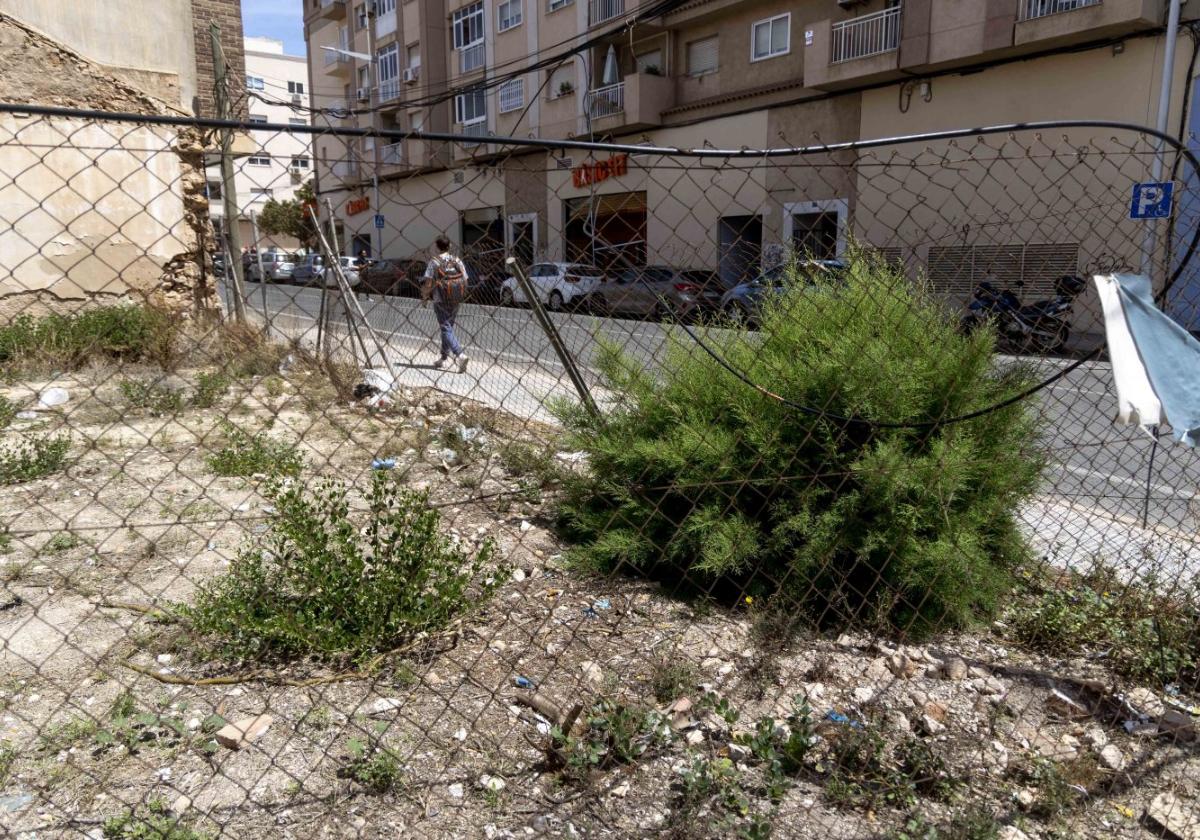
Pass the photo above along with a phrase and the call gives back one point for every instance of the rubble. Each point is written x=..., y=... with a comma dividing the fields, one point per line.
x=234, y=736
x=1173, y=817
x=954, y=668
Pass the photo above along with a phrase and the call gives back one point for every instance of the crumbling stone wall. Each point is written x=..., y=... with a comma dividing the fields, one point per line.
x=92, y=210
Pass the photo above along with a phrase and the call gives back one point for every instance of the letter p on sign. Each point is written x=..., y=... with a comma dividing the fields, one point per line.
x=1151, y=200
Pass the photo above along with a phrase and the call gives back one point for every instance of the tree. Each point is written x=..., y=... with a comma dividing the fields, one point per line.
x=291, y=217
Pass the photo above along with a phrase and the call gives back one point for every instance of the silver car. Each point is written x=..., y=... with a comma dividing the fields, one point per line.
x=656, y=291
x=276, y=267
x=350, y=268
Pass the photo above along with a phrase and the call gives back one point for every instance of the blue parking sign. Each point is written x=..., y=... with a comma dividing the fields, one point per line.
x=1151, y=200
x=379, y=221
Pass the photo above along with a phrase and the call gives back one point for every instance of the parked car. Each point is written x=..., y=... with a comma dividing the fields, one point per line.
x=657, y=291
x=742, y=305
x=307, y=269
x=558, y=285
x=350, y=268
x=277, y=267
x=393, y=277
x=484, y=285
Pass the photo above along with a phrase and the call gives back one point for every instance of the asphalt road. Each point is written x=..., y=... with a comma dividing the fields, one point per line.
x=1092, y=504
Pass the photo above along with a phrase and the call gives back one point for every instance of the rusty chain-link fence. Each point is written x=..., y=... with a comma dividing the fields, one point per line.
x=744, y=525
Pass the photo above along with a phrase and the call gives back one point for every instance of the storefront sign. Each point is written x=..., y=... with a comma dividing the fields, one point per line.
x=358, y=205
x=601, y=170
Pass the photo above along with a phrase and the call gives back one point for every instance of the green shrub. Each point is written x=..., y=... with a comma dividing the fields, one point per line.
x=210, y=388
x=32, y=457
x=154, y=397
x=246, y=454
x=155, y=823
x=8, y=412
x=695, y=473
x=374, y=766
x=334, y=585
x=127, y=333
x=1144, y=637
x=613, y=734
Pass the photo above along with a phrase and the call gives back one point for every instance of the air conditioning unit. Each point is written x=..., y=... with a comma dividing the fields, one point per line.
x=364, y=94
x=297, y=99
x=296, y=170
x=411, y=74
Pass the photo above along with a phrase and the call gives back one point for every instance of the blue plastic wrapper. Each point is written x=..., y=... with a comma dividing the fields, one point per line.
x=523, y=682
x=383, y=464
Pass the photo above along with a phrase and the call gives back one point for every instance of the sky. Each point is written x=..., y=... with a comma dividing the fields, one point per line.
x=282, y=19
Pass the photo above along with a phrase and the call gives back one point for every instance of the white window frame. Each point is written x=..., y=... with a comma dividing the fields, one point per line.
x=459, y=109
x=555, y=5
x=840, y=206
x=297, y=121
x=258, y=119
x=520, y=218
x=256, y=83
x=299, y=162
x=362, y=17
x=687, y=56
x=518, y=85
x=260, y=159
x=513, y=22
x=460, y=24
x=384, y=7
x=787, y=17
x=261, y=194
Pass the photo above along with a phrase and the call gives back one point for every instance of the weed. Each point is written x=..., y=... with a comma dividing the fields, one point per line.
x=926, y=770
x=529, y=461
x=8, y=757
x=60, y=543
x=274, y=386
x=8, y=412
x=373, y=765
x=133, y=730
x=713, y=801
x=975, y=823
x=614, y=734
x=32, y=457
x=1145, y=637
x=861, y=773
x=782, y=750
x=246, y=454
x=671, y=678
x=323, y=582
x=66, y=342
x=154, y=397
x=5, y=540
x=77, y=730
x=319, y=718
x=156, y=823
x=1055, y=794
x=210, y=388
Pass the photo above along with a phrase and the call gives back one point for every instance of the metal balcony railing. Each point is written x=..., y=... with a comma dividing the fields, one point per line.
x=606, y=101
x=473, y=129
x=872, y=34
x=1031, y=9
x=332, y=57
x=601, y=10
x=392, y=154
x=344, y=169
x=470, y=58
x=389, y=90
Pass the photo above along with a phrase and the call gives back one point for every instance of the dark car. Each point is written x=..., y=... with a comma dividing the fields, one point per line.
x=308, y=270
x=742, y=304
x=656, y=291
x=484, y=285
x=393, y=277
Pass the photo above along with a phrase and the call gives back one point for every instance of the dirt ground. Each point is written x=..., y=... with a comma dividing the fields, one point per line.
x=136, y=519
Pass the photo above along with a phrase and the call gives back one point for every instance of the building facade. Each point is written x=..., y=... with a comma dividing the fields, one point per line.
x=276, y=92
x=733, y=74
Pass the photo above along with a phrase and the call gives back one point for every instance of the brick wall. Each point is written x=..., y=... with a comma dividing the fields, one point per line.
x=227, y=14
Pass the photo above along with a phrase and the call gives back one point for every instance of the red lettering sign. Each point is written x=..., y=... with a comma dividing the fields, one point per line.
x=600, y=170
x=358, y=205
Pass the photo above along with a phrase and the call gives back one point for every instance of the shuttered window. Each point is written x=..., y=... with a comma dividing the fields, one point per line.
x=702, y=56
x=957, y=268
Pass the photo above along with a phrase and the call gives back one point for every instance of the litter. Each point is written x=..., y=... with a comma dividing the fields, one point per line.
x=523, y=682
x=588, y=612
x=383, y=464
x=26, y=415
x=838, y=717
x=53, y=396
x=602, y=604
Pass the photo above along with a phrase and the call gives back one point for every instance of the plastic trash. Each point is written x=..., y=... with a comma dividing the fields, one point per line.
x=588, y=612
x=838, y=717
x=383, y=464
x=54, y=396
x=523, y=682
x=27, y=415
x=602, y=604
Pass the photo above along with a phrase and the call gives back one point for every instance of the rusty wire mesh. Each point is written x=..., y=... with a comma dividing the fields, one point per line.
x=548, y=693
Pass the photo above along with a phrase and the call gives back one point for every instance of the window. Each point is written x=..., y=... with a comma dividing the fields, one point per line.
x=562, y=82
x=214, y=190
x=414, y=55
x=468, y=26
x=512, y=95
x=416, y=119
x=771, y=37
x=255, y=83
x=364, y=81
x=297, y=121
x=360, y=16
x=650, y=62
x=295, y=87
x=257, y=119
x=702, y=56
x=470, y=107
x=300, y=162
x=508, y=14
x=555, y=5
x=260, y=193
x=260, y=159
x=816, y=229
x=388, y=67
x=385, y=7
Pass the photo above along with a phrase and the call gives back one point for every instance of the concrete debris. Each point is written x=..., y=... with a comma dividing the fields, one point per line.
x=1145, y=702
x=683, y=704
x=739, y=752
x=620, y=791
x=492, y=783
x=901, y=666
x=236, y=735
x=1065, y=706
x=591, y=672
x=695, y=737
x=386, y=704
x=1112, y=758
x=456, y=790
x=1170, y=814
x=1177, y=725
x=1011, y=832
x=954, y=668
x=930, y=725
x=1026, y=798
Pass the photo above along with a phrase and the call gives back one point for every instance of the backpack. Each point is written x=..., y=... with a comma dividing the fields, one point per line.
x=450, y=280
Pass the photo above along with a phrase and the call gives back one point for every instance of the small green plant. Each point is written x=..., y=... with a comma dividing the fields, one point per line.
x=246, y=454
x=32, y=457
x=1144, y=636
x=73, y=732
x=614, y=734
x=712, y=791
x=211, y=386
x=926, y=770
x=862, y=774
x=154, y=397
x=8, y=412
x=975, y=823
x=65, y=342
x=8, y=757
x=155, y=823
x=60, y=543
x=133, y=730
x=534, y=463
x=327, y=583
x=5, y=540
x=373, y=765
x=782, y=750
x=1054, y=793
x=671, y=679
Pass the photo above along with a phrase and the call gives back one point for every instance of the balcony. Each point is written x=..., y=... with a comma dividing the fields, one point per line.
x=470, y=58
x=1049, y=23
x=337, y=64
x=345, y=169
x=602, y=11
x=389, y=91
x=392, y=154
x=638, y=101
x=332, y=9
x=866, y=36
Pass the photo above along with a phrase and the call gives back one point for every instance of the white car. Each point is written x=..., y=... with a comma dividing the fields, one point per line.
x=350, y=267
x=558, y=285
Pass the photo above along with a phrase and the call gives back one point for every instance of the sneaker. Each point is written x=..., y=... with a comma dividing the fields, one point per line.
x=440, y=363
x=462, y=362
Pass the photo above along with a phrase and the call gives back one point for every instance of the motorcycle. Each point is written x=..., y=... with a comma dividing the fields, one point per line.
x=1039, y=327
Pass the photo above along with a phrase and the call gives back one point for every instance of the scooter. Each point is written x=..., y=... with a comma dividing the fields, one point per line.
x=1039, y=327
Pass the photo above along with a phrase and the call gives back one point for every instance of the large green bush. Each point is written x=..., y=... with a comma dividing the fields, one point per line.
x=334, y=583
x=125, y=332
x=695, y=474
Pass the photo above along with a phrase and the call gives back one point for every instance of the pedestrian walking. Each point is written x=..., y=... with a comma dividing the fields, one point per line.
x=445, y=283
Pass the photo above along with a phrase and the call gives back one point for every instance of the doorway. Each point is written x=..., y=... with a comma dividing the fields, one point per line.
x=816, y=229
x=483, y=240
x=523, y=238
x=360, y=244
x=739, y=241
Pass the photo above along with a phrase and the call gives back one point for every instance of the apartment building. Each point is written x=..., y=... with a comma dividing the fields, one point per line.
x=727, y=74
x=277, y=93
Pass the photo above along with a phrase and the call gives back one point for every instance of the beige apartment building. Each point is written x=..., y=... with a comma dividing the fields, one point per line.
x=735, y=74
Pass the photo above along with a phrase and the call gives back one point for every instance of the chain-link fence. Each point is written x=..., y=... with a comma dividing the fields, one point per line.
x=744, y=493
